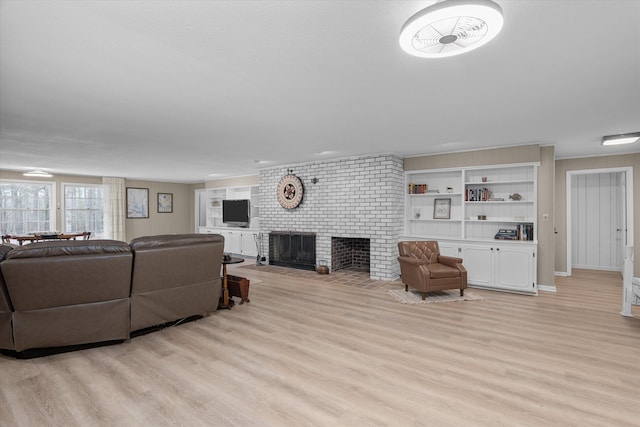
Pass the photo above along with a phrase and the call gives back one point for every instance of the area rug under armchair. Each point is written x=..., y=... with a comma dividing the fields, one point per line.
x=415, y=297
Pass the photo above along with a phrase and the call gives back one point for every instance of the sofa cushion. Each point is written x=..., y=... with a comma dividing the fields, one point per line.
x=174, y=276
x=51, y=274
x=174, y=240
x=6, y=334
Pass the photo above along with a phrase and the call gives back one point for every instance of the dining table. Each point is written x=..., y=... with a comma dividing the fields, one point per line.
x=30, y=238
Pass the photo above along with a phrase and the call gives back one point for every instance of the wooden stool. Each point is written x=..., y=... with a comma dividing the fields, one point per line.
x=238, y=287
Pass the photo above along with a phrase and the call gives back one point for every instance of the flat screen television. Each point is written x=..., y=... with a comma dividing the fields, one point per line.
x=236, y=212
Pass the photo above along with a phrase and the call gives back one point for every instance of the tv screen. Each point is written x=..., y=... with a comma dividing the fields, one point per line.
x=235, y=212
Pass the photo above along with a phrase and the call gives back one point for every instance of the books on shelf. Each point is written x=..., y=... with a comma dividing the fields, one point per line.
x=478, y=195
x=506, y=234
x=521, y=232
x=418, y=188
x=421, y=189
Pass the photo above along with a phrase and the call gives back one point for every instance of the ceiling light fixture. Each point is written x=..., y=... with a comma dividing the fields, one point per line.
x=623, y=138
x=38, y=173
x=450, y=28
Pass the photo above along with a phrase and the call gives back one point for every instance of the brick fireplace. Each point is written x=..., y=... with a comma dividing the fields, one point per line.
x=358, y=197
x=349, y=253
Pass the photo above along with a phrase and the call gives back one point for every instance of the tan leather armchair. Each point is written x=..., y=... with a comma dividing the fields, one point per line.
x=423, y=268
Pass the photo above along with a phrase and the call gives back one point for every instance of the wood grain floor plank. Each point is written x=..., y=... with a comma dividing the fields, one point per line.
x=312, y=351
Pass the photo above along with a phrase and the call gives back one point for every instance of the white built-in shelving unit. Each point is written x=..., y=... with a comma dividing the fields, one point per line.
x=208, y=219
x=482, y=201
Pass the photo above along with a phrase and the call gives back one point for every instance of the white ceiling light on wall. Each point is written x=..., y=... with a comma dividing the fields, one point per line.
x=623, y=138
x=451, y=27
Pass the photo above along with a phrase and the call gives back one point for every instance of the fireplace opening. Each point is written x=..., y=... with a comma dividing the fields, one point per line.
x=350, y=253
x=295, y=250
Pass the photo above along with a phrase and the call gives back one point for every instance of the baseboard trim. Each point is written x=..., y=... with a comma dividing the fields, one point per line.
x=560, y=273
x=547, y=288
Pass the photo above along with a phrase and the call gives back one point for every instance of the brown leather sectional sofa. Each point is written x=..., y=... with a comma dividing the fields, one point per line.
x=64, y=293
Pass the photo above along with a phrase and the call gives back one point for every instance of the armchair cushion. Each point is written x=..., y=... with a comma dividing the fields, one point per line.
x=441, y=271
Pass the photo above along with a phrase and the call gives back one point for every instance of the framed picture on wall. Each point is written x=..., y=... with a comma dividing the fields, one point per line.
x=442, y=209
x=137, y=202
x=165, y=202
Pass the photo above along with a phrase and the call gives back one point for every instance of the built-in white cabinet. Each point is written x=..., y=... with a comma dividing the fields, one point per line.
x=449, y=249
x=208, y=217
x=485, y=215
x=508, y=267
x=236, y=241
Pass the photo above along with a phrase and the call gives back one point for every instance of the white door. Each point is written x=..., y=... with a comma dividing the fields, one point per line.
x=478, y=260
x=514, y=268
x=598, y=205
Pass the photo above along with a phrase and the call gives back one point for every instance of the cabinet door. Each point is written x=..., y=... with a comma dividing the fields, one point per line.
x=478, y=260
x=248, y=243
x=448, y=249
x=514, y=268
x=233, y=244
x=225, y=234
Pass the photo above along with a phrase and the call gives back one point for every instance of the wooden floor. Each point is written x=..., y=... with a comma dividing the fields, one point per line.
x=309, y=352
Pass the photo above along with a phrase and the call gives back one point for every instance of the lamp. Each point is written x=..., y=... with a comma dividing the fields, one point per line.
x=38, y=173
x=450, y=28
x=622, y=138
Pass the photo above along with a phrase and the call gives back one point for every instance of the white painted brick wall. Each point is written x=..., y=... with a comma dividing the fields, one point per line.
x=354, y=197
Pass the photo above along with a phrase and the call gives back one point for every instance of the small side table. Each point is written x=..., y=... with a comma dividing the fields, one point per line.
x=225, y=285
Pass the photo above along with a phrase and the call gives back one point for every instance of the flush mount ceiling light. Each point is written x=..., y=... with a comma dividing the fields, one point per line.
x=623, y=138
x=38, y=173
x=450, y=28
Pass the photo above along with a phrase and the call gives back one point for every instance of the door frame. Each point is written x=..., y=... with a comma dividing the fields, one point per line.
x=628, y=171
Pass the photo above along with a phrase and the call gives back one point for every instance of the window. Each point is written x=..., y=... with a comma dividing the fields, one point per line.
x=84, y=209
x=26, y=207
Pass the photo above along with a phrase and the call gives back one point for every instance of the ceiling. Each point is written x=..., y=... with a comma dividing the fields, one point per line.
x=186, y=91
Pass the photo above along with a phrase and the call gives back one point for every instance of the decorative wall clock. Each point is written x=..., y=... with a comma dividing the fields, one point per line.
x=290, y=191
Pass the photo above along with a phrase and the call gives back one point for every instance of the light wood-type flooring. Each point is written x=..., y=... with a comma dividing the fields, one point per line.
x=312, y=351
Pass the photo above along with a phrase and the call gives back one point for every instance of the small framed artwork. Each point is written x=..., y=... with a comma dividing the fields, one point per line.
x=137, y=202
x=165, y=202
x=442, y=209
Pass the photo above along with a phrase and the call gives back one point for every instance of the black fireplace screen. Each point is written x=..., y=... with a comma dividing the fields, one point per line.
x=296, y=250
